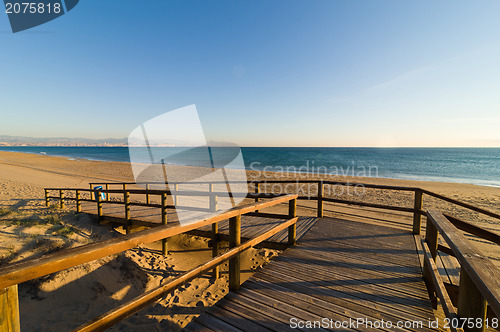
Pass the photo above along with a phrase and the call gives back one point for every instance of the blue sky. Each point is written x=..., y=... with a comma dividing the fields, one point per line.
x=261, y=73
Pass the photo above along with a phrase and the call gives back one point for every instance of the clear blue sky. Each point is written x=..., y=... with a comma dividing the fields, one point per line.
x=261, y=73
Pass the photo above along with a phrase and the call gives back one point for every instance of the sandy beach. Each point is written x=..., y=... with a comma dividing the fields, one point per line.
x=72, y=297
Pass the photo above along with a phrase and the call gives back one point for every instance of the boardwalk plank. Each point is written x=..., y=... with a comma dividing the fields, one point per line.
x=267, y=309
x=196, y=327
x=304, y=301
x=408, y=281
x=353, y=276
x=366, y=294
x=235, y=319
x=253, y=315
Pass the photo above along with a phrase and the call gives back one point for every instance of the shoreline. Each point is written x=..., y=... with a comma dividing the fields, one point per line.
x=308, y=175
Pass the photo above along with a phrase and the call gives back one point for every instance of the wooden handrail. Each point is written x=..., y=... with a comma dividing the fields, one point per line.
x=67, y=258
x=483, y=274
x=473, y=229
x=439, y=286
x=161, y=192
x=462, y=204
x=344, y=183
x=130, y=307
x=416, y=210
x=374, y=205
x=341, y=183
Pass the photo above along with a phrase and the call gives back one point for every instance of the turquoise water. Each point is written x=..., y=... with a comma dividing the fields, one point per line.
x=464, y=165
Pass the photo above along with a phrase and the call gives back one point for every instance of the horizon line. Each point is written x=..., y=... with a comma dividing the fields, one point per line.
x=250, y=146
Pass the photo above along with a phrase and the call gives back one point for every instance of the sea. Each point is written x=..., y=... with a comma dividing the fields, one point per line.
x=479, y=166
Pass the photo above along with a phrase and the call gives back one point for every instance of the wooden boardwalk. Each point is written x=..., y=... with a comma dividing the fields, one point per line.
x=339, y=270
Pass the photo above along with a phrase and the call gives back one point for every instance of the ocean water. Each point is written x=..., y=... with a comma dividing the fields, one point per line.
x=463, y=165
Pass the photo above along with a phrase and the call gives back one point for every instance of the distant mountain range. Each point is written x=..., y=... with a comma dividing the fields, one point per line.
x=59, y=141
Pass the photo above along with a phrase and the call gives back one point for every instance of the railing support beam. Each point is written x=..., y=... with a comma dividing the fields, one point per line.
x=126, y=200
x=292, y=229
x=9, y=310
x=47, y=202
x=320, y=199
x=213, y=199
x=416, y=213
x=471, y=303
x=215, y=248
x=431, y=238
x=61, y=199
x=234, y=263
x=164, y=243
x=99, y=205
x=176, y=197
x=78, y=201
x=257, y=191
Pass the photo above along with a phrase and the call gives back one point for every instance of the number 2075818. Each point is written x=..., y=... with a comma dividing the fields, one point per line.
x=32, y=8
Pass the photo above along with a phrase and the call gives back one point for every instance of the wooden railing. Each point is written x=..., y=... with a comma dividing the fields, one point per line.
x=430, y=246
x=30, y=269
x=94, y=195
x=320, y=197
x=479, y=278
x=258, y=194
x=477, y=307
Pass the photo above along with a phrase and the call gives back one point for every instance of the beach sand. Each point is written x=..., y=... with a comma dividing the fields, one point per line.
x=70, y=298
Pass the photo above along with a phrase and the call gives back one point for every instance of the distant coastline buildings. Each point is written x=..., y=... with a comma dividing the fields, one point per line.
x=61, y=141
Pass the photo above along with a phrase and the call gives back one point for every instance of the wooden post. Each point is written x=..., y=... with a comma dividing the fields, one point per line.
x=471, y=304
x=257, y=191
x=234, y=263
x=9, y=310
x=213, y=199
x=431, y=238
x=78, y=202
x=416, y=213
x=99, y=206
x=147, y=193
x=90, y=192
x=61, y=199
x=292, y=229
x=124, y=186
x=47, y=202
x=126, y=200
x=164, y=244
x=215, y=247
x=176, y=187
x=107, y=194
x=320, y=199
